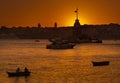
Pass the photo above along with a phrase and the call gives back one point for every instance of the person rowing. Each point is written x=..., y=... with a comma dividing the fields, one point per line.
x=26, y=70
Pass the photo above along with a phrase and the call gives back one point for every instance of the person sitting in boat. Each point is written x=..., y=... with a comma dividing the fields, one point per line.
x=18, y=70
x=26, y=70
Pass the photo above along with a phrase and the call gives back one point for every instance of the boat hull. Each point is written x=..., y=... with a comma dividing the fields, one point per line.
x=103, y=63
x=17, y=74
x=60, y=46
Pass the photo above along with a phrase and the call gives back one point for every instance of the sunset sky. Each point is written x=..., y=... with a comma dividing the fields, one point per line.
x=46, y=12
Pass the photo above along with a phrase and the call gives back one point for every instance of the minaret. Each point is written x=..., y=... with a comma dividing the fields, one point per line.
x=55, y=25
x=39, y=25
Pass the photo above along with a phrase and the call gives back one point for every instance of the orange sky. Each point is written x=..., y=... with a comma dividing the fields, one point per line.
x=46, y=12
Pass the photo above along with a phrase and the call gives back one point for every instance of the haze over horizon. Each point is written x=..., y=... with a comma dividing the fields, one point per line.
x=47, y=12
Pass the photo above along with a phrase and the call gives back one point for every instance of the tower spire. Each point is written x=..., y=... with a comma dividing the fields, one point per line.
x=76, y=11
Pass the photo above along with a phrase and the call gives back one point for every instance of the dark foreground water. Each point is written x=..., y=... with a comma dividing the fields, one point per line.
x=59, y=66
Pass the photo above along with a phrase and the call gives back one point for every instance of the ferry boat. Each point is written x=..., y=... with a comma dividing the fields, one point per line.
x=60, y=44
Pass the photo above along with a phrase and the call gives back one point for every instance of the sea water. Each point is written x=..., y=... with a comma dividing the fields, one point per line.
x=60, y=66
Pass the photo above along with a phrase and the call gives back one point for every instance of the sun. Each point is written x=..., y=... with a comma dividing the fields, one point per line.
x=82, y=21
x=71, y=21
x=70, y=18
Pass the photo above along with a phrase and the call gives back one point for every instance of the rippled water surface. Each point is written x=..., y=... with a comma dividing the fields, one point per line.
x=60, y=66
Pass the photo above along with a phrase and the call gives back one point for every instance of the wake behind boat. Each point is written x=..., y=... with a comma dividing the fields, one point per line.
x=102, y=63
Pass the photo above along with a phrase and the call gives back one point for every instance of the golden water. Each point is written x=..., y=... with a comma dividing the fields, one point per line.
x=59, y=66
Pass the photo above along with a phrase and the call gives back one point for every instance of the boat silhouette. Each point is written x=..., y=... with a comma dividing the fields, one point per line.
x=17, y=74
x=102, y=63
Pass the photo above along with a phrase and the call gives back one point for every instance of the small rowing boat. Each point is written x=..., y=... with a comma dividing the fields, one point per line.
x=102, y=63
x=17, y=74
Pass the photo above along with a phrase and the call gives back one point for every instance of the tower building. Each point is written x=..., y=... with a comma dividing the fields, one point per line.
x=76, y=29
